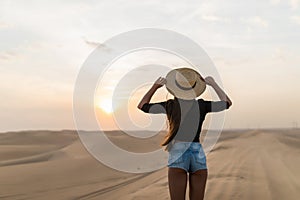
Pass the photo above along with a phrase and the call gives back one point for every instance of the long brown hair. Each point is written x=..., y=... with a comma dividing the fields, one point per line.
x=174, y=117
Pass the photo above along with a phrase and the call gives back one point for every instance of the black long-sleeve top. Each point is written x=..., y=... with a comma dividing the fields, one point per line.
x=193, y=113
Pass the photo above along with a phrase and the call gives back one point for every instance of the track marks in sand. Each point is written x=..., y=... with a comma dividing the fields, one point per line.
x=143, y=186
x=111, y=188
x=257, y=168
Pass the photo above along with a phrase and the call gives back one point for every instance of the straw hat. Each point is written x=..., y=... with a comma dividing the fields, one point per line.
x=185, y=83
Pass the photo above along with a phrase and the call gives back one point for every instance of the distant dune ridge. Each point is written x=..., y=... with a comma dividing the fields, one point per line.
x=244, y=164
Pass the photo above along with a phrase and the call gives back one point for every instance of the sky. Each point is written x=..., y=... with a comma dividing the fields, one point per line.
x=43, y=45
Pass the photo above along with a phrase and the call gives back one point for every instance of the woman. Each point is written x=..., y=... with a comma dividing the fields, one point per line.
x=185, y=116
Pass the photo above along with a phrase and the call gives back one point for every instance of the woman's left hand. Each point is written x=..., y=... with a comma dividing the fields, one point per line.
x=210, y=81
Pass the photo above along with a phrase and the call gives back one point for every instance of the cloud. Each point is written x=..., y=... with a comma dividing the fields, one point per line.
x=7, y=55
x=203, y=9
x=275, y=2
x=93, y=43
x=4, y=25
x=295, y=19
x=45, y=45
x=279, y=54
x=294, y=4
x=214, y=18
x=256, y=21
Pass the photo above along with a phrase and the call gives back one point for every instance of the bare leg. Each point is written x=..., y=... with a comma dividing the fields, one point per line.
x=197, y=182
x=177, y=183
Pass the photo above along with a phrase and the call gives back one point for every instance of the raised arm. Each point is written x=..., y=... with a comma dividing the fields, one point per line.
x=221, y=94
x=147, y=97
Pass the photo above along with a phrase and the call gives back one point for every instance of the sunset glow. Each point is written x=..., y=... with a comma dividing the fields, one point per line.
x=255, y=53
x=106, y=106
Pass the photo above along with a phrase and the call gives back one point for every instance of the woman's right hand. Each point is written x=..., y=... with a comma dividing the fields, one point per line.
x=160, y=82
x=147, y=97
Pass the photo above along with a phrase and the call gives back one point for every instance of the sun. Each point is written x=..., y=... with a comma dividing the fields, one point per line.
x=106, y=105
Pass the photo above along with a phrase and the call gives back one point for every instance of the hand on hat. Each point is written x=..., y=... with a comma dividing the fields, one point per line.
x=210, y=80
x=160, y=82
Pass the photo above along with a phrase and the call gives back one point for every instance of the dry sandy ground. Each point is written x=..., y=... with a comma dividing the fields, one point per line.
x=245, y=164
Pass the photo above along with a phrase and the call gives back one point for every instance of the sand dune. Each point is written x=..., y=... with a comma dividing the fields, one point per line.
x=244, y=164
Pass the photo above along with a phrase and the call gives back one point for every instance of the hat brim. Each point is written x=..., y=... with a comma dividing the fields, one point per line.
x=192, y=93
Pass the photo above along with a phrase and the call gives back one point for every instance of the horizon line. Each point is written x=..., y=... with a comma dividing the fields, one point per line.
x=111, y=130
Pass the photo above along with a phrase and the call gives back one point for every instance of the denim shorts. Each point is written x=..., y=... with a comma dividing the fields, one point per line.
x=189, y=156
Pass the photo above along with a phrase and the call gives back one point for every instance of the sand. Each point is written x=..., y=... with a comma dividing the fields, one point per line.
x=244, y=164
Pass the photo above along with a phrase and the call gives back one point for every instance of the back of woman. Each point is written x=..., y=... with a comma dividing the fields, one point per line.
x=185, y=115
